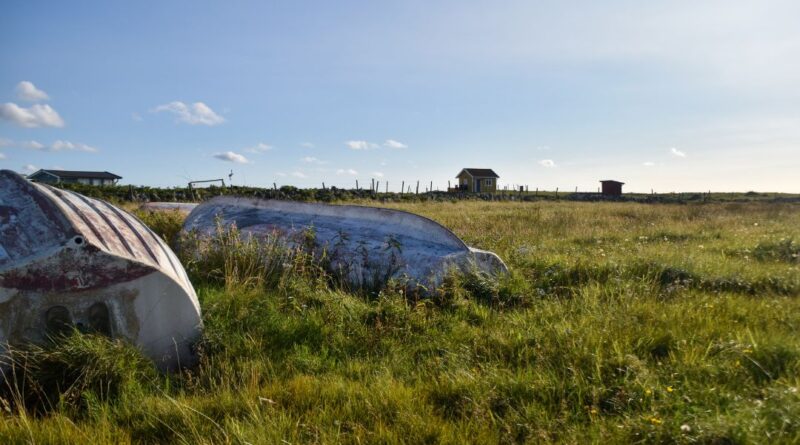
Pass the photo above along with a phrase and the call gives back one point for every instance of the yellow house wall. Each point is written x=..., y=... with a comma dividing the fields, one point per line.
x=470, y=183
x=488, y=188
x=468, y=178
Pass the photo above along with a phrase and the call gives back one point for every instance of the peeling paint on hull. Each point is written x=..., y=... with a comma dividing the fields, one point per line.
x=76, y=261
x=366, y=245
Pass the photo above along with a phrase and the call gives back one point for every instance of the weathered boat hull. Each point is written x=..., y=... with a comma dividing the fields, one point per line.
x=67, y=261
x=365, y=245
x=184, y=207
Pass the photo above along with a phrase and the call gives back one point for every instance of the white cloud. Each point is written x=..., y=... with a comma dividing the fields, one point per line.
x=313, y=160
x=27, y=91
x=543, y=148
x=299, y=174
x=136, y=117
x=230, y=156
x=280, y=174
x=58, y=145
x=377, y=174
x=548, y=163
x=349, y=171
x=197, y=113
x=361, y=145
x=36, y=116
x=649, y=164
x=676, y=152
x=63, y=146
x=391, y=143
x=2, y=156
x=307, y=145
x=259, y=148
x=29, y=168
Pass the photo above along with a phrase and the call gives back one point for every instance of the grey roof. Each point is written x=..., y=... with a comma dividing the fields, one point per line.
x=481, y=172
x=611, y=180
x=63, y=174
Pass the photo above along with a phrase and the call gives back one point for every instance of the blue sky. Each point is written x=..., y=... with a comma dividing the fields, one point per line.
x=671, y=96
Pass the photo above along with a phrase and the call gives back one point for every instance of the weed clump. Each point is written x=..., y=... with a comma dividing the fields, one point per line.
x=72, y=372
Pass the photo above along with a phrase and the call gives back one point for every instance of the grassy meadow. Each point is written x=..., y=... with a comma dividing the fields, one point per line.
x=619, y=323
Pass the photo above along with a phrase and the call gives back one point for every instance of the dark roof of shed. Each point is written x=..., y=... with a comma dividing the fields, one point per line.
x=611, y=180
x=481, y=172
x=80, y=174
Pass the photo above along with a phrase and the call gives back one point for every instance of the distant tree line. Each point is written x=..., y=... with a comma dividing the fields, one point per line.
x=129, y=193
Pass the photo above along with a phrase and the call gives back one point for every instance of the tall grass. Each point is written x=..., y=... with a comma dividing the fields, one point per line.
x=620, y=323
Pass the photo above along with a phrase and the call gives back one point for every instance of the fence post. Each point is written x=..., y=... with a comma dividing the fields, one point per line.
x=417, y=187
x=402, y=188
x=357, y=185
x=387, y=187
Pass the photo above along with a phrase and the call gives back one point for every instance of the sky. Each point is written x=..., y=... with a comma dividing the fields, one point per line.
x=662, y=95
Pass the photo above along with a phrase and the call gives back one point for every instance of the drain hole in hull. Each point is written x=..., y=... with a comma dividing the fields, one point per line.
x=58, y=320
x=99, y=320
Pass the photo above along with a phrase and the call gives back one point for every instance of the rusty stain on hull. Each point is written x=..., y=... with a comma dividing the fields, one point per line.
x=67, y=258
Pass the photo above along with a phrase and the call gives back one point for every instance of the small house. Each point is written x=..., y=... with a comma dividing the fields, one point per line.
x=611, y=187
x=477, y=180
x=76, y=177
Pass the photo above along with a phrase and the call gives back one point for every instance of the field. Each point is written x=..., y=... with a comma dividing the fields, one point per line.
x=619, y=323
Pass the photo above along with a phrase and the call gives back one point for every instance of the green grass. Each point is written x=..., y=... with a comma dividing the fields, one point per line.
x=619, y=323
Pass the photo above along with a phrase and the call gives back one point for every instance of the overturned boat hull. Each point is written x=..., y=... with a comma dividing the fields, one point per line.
x=366, y=246
x=68, y=261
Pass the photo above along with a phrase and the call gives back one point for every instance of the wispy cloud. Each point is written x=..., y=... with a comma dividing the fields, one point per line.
x=197, y=113
x=307, y=145
x=361, y=145
x=27, y=91
x=547, y=163
x=377, y=174
x=229, y=156
x=649, y=164
x=312, y=160
x=348, y=171
x=2, y=156
x=259, y=148
x=136, y=117
x=34, y=116
x=391, y=143
x=677, y=153
x=69, y=146
x=6, y=142
x=299, y=174
x=29, y=168
x=58, y=145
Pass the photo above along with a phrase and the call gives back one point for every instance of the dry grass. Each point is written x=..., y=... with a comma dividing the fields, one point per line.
x=619, y=323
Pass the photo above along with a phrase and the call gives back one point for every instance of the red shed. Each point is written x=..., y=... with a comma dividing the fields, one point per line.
x=612, y=187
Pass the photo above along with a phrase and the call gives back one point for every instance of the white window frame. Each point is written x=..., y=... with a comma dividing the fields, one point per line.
x=488, y=182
